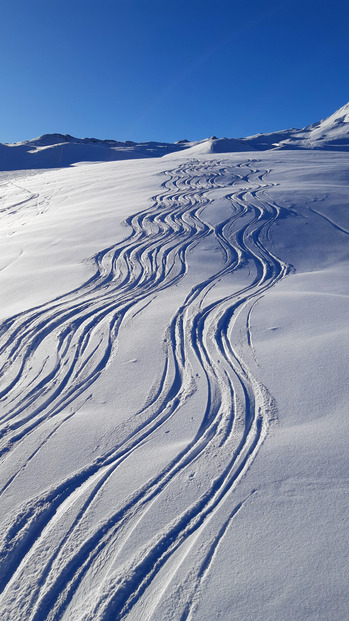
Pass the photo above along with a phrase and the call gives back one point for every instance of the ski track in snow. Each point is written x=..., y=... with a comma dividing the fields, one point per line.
x=50, y=358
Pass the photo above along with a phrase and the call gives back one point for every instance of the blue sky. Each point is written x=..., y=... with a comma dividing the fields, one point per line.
x=166, y=70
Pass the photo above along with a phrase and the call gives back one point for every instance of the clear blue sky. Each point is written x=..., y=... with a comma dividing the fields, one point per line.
x=170, y=69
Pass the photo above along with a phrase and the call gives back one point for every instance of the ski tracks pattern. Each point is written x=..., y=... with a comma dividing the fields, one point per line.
x=55, y=562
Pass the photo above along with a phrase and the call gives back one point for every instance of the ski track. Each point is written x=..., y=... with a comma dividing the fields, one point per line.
x=50, y=357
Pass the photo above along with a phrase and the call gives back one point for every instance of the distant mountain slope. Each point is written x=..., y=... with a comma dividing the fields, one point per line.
x=330, y=134
x=217, y=145
x=59, y=150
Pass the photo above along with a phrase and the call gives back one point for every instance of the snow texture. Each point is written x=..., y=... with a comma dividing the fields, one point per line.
x=173, y=353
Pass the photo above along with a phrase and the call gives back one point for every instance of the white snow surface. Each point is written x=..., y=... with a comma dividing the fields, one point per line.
x=330, y=134
x=174, y=420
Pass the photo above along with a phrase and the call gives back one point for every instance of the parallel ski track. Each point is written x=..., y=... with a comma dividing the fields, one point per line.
x=51, y=355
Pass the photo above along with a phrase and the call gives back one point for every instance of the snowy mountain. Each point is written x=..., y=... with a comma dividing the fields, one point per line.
x=174, y=379
x=58, y=150
x=331, y=134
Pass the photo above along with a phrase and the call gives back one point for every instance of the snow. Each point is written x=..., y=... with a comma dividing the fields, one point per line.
x=62, y=150
x=333, y=130
x=330, y=134
x=173, y=351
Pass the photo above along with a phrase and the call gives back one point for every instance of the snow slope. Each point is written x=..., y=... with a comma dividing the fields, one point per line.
x=61, y=150
x=57, y=151
x=173, y=350
x=173, y=354
x=330, y=134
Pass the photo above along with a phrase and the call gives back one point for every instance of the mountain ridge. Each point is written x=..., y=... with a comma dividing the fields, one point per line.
x=58, y=150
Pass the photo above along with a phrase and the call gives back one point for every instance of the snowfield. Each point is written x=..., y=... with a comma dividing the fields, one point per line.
x=174, y=373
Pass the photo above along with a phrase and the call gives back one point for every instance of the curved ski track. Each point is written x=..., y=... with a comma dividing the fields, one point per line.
x=50, y=356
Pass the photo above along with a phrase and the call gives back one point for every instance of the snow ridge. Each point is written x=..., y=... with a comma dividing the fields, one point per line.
x=60, y=150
